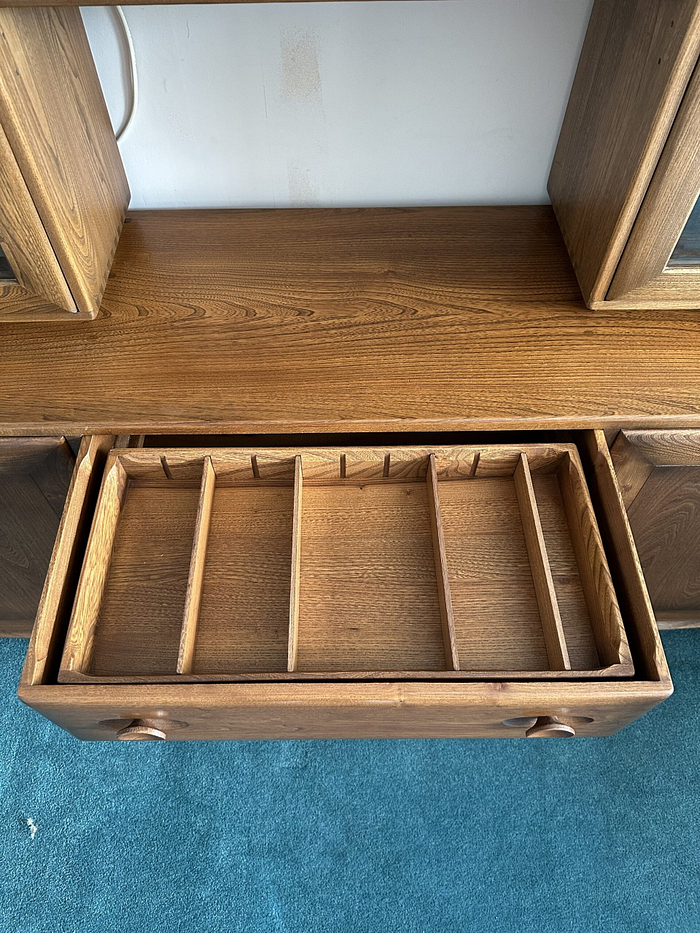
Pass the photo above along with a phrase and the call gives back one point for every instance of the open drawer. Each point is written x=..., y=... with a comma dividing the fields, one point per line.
x=339, y=592
x=659, y=476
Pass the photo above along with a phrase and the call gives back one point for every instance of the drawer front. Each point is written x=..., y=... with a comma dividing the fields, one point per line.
x=345, y=592
x=335, y=710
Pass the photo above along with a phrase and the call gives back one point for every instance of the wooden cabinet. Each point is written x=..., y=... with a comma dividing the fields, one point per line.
x=626, y=173
x=659, y=476
x=343, y=592
x=34, y=477
x=63, y=191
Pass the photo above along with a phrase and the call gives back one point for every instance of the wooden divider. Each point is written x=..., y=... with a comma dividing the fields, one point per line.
x=296, y=567
x=322, y=469
x=86, y=609
x=598, y=589
x=554, y=639
x=441, y=571
x=193, y=595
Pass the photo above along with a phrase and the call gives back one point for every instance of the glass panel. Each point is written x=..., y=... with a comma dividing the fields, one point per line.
x=687, y=251
x=5, y=268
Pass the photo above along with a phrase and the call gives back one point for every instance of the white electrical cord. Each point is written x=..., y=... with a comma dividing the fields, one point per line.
x=133, y=99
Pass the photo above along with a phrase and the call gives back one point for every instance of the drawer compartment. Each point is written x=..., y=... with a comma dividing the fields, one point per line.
x=207, y=593
x=322, y=563
x=659, y=476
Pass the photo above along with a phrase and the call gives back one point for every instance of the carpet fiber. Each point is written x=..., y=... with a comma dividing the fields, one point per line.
x=576, y=836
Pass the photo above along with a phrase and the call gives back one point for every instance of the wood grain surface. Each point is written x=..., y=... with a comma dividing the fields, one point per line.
x=625, y=566
x=635, y=65
x=23, y=237
x=350, y=320
x=274, y=710
x=193, y=594
x=56, y=121
x=667, y=205
x=244, y=616
x=368, y=598
x=659, y=473
x=547, y=601
x=335, y=710
x=46, y=643
x=442, y=575
x=355, y=576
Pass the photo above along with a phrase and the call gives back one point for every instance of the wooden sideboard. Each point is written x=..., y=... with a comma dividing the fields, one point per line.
x=392, y=329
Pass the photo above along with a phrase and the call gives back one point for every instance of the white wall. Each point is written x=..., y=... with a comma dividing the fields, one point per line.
x=351, y=103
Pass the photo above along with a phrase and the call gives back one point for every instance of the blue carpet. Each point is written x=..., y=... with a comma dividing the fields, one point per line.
x=569, y=837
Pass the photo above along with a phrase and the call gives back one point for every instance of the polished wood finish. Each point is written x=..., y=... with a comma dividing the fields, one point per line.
x=549, y=727
x=342, y=710
x=642, y=278
x=35, y=473
x=555, y=640
x=442, y=575
x=193, y=595
x=635, y=66
x=590, y=558
x=62, y=145
x=363, y=320
x=660, y=474
x=91, y=591
x=630, y=585
x=46, y=641
x=24, y=240
x=140, y=730
x=295, y=584
x=369, y=709
x=368, y=554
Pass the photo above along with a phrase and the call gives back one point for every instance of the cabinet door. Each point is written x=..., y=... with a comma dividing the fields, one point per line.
x=63, y=191
x=625, y=174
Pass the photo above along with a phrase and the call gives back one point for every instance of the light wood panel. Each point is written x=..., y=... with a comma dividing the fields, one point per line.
x=442, y=575
x=660, y=479
x=547, y=601
x=274, y=710
x=642, y=276
x=636, y=62
x=364, y=589
x=193, y=595
x=568, y=587
x=369, y=598
x=375, y=710
x=56, y=121
x=23, y=237
x=296, y=566
x=362, y=584
x=598, y=590
x=46, y=643
x=244, y=615
x=306, y=321
x=631, y=590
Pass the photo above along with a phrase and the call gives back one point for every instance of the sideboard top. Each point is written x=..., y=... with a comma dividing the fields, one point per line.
x=347, y=320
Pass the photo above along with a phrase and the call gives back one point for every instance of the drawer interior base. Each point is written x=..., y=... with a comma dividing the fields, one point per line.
x=450, y=563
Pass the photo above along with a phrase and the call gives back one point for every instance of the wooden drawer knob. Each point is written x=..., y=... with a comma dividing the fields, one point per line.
x=141, y=730
x=549, y=727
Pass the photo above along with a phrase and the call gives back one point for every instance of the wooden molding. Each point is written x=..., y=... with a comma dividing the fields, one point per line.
x=637, y=60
